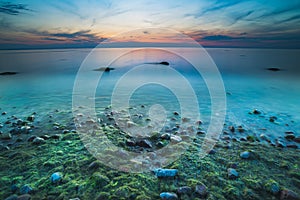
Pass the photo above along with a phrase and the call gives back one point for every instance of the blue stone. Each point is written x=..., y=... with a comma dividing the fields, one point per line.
x=245, y=155
x=165, y=172
x=232, y=173
x=26, y=189
x=55, y=177
x=168, y=196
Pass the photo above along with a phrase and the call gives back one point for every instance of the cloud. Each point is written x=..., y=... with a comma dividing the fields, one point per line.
x=220, y=37
x=13, y=9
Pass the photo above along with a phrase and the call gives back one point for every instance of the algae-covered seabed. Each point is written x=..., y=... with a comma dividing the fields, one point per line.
x=25, y=163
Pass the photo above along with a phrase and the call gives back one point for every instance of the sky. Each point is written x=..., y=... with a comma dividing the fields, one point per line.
x=212, y=23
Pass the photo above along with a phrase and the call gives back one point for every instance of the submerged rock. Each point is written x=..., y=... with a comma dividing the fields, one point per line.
x=165, y=172
x=56, y=177
x=5, y=136
x=256, y=112
x=38, y=140
x=168, y=196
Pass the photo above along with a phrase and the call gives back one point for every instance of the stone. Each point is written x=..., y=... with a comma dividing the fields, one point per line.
x=245, y=155
x=5, y=136
x=31, y=138
x=165, y=136
x=241, y=129
x=256, y=112
x=288, y=195
x=144, y=143
x=38, y=140
x=31, y=118
x=3, y=113
x=130, y=143
x=184, y=190
x=289, y=136
x=176, y=138
x=25, y=129
x=160, y=173
x=297, y=139
x=24, y=197
x=26, y=189
x=231, y=128
x=272, y=119
x=175, y=113
x=168, y=196
x=201, y=191
x=75, y=198
x=56, y=177
x=232, y=173
x=55, y=136
x=14, y=188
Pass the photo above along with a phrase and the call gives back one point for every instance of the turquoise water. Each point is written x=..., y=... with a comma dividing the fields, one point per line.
x=46, y=79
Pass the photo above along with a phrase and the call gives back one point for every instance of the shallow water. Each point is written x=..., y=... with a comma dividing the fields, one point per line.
x=46, y=81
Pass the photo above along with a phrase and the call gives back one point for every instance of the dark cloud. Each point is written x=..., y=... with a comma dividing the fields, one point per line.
x=220, y=37
x=13, y=9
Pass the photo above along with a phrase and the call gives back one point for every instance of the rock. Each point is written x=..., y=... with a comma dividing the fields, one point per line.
x=175, y=113
x=31, y=138
x=31, y=118
x=12, y=197
x=176, y=138
x=165, y=136
x=5, y=136
x=272, y=187
x=256, y=112
x=75, y=198
x=245, y=155
x=45, y=137
x=241, y=129
x=201, y=191
x=168, y=196
x=274, y=69
x=24, y=197
x=3, y=113
x=25, y=129
x=294, y=146
x=297, y=139
x=38, y=140
x=232, y=173
x=281, y=144
x=56, y=177
x=130, y=143
x=144, y=143
x=272, y=119
x=184, y=190
x=164, y=63
x=288, y=195
x=212, y=151
x=289, y=136
x=8, y=73
x=231, y=128
x=160, y=173
x=26, y=189
x=14, y=188
x=55, y=136
x=65, y=131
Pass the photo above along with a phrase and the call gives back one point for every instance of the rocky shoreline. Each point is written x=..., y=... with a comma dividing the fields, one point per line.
x=42, y=157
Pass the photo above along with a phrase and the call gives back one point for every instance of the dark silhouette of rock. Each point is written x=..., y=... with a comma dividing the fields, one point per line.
x=164, y=63
x=8, y=73
x=274, y=69
x=104, y=69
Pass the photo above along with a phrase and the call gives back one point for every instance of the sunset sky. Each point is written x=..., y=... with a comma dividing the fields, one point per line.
x=86, y=23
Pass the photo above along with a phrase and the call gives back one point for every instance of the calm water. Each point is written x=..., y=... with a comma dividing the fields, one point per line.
x=46, y=81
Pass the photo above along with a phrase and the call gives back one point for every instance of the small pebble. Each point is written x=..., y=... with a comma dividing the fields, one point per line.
x=232, y=173
x=168, y=196
x=201, y=191
x=165, y=172
x=56, y=177
x=184, y=190
x=245, y=155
